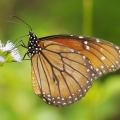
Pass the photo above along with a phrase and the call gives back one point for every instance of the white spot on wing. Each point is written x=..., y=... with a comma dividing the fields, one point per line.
x=81, y=37
x=84, y=57
x=117, y=47
x=58, y=97
x=88, y=70
x=97, y=40
x=63, y=98
x=87, y=47
x=76, y=98
x=112, y=66
x=85, y=42
x=103, y=58
x=93, y=74
x=97, y=69
x=102, y=66
x=70, y=97
x=119, y=51
x=72, y=50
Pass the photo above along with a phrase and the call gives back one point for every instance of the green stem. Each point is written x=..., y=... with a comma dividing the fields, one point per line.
x=87, y=17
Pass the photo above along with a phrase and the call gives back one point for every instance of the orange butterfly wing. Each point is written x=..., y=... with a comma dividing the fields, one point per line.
x=66, y=67
x=104, y=56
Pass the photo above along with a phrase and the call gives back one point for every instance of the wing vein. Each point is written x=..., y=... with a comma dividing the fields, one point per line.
x=106, y=50
x=46, y=75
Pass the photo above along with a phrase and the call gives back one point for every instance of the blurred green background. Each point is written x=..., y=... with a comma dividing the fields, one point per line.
x=97, y=18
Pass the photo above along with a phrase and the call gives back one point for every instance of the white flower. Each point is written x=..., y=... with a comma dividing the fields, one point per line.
x=2, y=59
x=8, y=46
x=16, y=56
x=9, y=53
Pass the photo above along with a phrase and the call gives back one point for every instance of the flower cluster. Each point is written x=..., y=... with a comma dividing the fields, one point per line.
x=8, y=53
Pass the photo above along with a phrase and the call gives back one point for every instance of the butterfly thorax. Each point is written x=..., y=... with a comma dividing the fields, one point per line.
x=33, y=44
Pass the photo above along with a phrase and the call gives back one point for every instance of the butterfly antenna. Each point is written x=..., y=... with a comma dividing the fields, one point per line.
x=26, y=24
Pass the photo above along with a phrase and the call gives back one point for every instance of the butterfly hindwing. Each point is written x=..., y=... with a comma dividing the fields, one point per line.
x=63, y=74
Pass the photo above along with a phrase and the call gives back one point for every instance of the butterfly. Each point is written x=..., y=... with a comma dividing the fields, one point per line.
x=63, y=67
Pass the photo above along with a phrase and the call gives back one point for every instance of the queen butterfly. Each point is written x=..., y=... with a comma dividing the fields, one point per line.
x=65, y=66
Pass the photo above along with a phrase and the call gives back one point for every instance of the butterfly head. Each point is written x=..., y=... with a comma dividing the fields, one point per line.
x=32, y=36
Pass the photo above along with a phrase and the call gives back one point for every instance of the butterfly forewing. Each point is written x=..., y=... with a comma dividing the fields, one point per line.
x=64, y=67
x=104, y=56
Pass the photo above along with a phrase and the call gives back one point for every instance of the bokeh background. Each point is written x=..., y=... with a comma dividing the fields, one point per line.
x=97, y=18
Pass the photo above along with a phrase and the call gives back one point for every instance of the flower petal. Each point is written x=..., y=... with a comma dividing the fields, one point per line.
x=2, y=59
x=16, y=56
x=8, y=46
